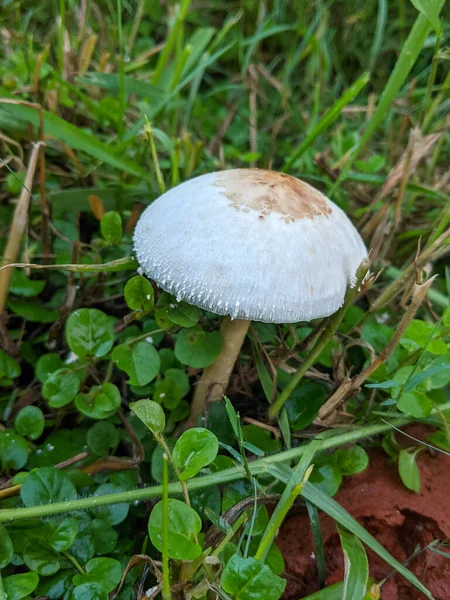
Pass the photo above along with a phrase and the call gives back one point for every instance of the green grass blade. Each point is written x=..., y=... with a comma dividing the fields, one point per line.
x=332, y=592
x=356, y=566
x=314, y=520
x=71, y=135
x=408, y=56
x=329, y=117
x=379, y=32
x=341, y=516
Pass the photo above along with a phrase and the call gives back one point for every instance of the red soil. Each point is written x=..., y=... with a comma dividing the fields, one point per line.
x=399, y=519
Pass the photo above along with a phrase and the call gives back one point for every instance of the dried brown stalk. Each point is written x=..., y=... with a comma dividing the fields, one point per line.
x=18, y=226
x=351, y=385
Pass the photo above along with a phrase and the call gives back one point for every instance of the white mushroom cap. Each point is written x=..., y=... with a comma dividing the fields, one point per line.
x=254, y=244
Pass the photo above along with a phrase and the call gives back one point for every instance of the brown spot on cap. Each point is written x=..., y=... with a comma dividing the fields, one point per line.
x=269, y=191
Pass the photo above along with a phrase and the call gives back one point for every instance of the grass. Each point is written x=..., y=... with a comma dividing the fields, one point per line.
x=127, y=100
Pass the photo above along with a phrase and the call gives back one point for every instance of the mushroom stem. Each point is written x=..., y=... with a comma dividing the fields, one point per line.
x=215, y=378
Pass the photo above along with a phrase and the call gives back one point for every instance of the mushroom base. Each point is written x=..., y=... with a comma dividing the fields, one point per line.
x=215, y=378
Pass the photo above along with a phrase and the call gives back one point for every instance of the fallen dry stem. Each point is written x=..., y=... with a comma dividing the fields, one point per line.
x=351, y=386
x=18, y=226
x=433, y=252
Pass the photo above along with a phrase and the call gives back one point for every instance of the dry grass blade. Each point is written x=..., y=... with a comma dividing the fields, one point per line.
x=18, y=225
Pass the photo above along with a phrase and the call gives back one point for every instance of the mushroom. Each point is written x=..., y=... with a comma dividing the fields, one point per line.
x=250, y=244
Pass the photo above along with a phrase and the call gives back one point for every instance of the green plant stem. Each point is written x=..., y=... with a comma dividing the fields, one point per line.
x=408, y=56
x=322, y=341
x=438, y=99
x=166, y=594
x=74, y=561
x=151, y=140
x=257, y=467
x=61, y=28
x=431, y=79
x=162, y=442
x=121, y=264
x=120, y=124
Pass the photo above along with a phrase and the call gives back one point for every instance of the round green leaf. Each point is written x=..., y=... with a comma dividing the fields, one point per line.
x=151, y=414
x=46, y=365
x=47, y=485
x=180, y=378
x=6, y=548
x=101, y=437
x=184, y=524
x=90, y=332
x=111, y=227
x=248, y=578
x=167, y=392
x=139, y=294
x=8, y=366
x=197, y=348
x=61, y=387
x=352, y=460
x=106, y=572
x=141, y=362
x=32, y=311
x=303, y=405
x=30, y=422
x=40, y=557
x=101, y=402
x=21, y=285
x=89, y=591
x=20, y=586
x=112, y=513
x=13, y=450
x=416, y=404
x=408, y=470
x=105, y=537
x=180, y=313
x=327, y=477
x=195, y=449
x=63, y=534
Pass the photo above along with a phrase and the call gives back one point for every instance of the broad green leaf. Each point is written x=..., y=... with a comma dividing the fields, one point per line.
x=89, y=591
x=327, y=477
x=408, y=470
x=46, y=365
x=206, y=498
x=184, y=525
x=180, y=378
x=303, y=405
x=101, y=402
x=13, y=450
x=61, y=387
x=55, y=586
x=416, y=404
x=71, y=135
x=20, y=586
x=101, y=437
x=90, y=332
x=356, y=573
x=112, y=513
x=30, y=422
x=167, y=392
x=151, y=414
x=6, y=548
x=47, y=485
x=139, y=294
x=21, y=285
x=141, y=362
x=352, y=460
x=420, y=334
x=195, y=449
x=197, y=348
x=105, y=537
x=250, y=579
x=8, y=366
x=63, y=534
x=431, y=10
x=40, y=557
x=331, y=592
x=105, y=572
x=180, y=313
x=111, y=227
x=32, y=311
